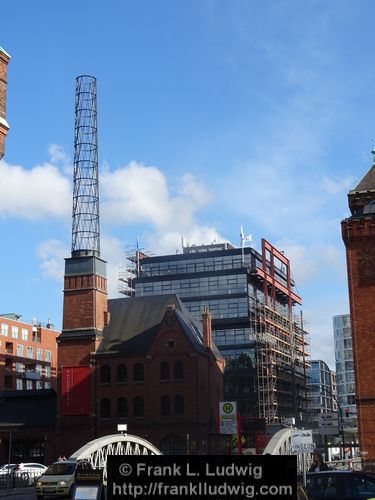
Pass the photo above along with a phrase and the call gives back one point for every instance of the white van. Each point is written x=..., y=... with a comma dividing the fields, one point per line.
x=57, y=480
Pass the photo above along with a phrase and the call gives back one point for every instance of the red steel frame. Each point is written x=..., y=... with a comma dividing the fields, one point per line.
x=269, y=277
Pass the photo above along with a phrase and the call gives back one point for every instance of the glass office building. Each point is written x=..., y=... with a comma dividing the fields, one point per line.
x=345, y=370
x=256, y=326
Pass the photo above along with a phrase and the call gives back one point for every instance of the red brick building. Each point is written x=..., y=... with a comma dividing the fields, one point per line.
x=4, y=127
x=28, y=354
x=28, y=362
x=358, y=232
x=141, y=361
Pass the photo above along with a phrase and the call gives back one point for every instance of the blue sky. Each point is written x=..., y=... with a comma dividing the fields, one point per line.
x=212, y=115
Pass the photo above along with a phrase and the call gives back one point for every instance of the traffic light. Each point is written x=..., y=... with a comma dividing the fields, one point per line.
x=346, y=412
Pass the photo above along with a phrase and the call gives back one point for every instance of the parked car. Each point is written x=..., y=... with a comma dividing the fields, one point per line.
x=28, y=472
x=343, y=484
x=6, y=469
x=57, y=480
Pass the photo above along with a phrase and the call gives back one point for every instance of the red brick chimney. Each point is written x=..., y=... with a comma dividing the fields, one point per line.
x=207, y=328
x=4, y=127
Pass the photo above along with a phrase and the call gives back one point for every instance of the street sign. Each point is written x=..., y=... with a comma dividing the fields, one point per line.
x=228, y=417
x=302, y=442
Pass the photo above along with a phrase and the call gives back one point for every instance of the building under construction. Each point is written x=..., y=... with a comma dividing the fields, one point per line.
x=257, y=321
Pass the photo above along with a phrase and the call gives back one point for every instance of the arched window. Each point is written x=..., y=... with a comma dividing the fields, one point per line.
x=139, y=407
x=164, y=406
x=179, y=405
x=178, y=370
x=122, y=407
x=105, y=408
x=122, y=374
x=164, y=370
x=105, y=374
x=138, y=375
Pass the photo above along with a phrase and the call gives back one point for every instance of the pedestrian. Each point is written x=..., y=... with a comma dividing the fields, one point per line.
x=318, y=464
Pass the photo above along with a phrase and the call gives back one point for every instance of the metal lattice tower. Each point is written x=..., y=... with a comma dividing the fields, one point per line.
x=85, y=227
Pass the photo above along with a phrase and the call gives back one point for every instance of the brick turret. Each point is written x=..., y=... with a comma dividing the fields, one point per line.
x=4, y=127
x=358, y=233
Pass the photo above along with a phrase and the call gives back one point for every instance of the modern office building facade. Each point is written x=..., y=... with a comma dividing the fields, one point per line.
x=252, y=299
x=345, y=370
x=322, y=393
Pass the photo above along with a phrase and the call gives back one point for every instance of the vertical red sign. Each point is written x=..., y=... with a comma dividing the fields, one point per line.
x=75, y=390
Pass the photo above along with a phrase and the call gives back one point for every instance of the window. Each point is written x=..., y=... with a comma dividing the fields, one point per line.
x=122, y=374
x=164, y=406
x=19, y=384
x=8, y=382
x=20, y=367
x=38, y=369
x=14, y=332
x=39, y=384
x=25, y=334
x=122, y=408
x=179, y=405
x=47, y=371
x=105, y=408
x=178, y=370
x=138, y=375
x=4, y=329
x=47, y=355
x=30, y=352
x=164, y=371
x=105, y=374
x=139, y=407
x=20, y=350
x=39, y=354
x=29, y=385
x=47, y=385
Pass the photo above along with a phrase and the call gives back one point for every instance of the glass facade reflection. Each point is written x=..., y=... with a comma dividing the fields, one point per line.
x=225, y=280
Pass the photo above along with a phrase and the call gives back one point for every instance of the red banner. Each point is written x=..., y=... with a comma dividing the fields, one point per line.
x=75, y=390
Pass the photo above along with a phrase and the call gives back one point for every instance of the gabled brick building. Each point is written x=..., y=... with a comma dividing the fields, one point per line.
x=358, y=232
x=155, y=369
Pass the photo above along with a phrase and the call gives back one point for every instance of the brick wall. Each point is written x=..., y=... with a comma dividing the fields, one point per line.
x=4, y=59
x=359, y=237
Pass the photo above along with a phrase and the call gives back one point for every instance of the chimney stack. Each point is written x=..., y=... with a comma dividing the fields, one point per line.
x=207, y=327
x=4, y=127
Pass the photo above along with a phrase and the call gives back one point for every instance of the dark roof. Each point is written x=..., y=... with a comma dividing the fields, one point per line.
x=28, y=408
x=135, y=322
x=368, y=181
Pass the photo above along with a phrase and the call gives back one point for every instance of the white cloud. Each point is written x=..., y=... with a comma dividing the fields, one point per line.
x=40, y=192
x=52, y=254
x=337, y=186
x=141, y=193
x=58, y=155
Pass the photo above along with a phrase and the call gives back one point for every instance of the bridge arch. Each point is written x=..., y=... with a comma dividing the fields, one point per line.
x=96, y=451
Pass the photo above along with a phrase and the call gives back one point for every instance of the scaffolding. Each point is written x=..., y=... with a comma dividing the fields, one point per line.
x=281, y=361
x=131, y=270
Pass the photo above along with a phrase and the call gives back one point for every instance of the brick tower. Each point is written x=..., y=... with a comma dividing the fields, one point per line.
x=85, y=284
x=358, y=232
x=4, y=127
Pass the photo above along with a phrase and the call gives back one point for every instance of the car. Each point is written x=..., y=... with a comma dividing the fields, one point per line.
x=6, y=469
x=28, y=472
x=343, y=484
x=57, y=480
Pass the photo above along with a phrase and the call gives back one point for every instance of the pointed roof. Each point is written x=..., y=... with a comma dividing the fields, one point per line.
x=368, y=181
x=134, y=323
